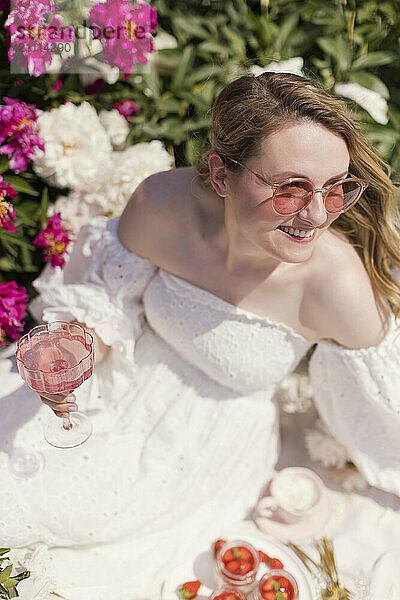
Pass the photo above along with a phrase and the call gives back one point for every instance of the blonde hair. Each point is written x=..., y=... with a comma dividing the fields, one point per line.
x=250, y=108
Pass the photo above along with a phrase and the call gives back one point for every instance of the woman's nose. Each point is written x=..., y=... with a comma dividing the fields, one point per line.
x=315, y=211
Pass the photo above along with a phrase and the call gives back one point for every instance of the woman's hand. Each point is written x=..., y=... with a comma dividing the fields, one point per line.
x=60, y=404
x=99, y=347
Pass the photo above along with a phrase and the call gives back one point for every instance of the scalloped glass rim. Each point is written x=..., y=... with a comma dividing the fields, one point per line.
x=28, y=335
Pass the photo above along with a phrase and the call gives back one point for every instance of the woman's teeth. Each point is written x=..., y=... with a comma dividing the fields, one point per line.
x=297, y=232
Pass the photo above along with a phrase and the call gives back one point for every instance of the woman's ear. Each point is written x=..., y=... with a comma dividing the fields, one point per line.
x=217, y=174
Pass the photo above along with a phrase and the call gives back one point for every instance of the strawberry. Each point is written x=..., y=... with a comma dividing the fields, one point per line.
x=268, y=585
x=217, y=545
x=229, y=555
x=243, y=553
x=233, y=566
x=189, y=589
x=245, y=567
x=269, y=595
x=264, y=558
x=275, y=564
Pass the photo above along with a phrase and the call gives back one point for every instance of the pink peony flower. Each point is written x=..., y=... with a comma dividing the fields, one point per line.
x=13, y=302
x=19, y=130
x=58, y=84
x=126, y=30
x=127, y=108
x=54, y=239
x=32, y=43
x=7, y=213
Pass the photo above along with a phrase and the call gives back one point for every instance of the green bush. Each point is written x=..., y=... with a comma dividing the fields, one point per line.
x=340, y=41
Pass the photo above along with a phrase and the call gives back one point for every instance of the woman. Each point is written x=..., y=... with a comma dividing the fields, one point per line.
x=202, y=303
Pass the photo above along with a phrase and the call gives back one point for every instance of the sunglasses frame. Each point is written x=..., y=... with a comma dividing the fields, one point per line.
x=325, y=190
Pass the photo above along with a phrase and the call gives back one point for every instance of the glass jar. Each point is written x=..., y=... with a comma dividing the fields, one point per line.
x=236, y=565
x=266, y=589
x=226, y=592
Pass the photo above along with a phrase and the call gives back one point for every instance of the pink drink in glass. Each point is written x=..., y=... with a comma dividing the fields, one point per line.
x=56, y=358
x=55, y=361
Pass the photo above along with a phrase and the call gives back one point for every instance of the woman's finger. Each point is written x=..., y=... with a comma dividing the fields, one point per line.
x=58, y=398
x=70, y=407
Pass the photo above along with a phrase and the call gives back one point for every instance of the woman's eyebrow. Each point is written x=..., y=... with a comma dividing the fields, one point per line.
x=286, y=174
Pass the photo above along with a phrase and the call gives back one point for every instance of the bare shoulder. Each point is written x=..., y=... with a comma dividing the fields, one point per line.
x=349, y=313
x=153, y=214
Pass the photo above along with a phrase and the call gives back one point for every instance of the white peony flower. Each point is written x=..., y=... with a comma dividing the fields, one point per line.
x=295, y=393
x=371, y=101
x=77, y=208
x=116, y=126
x=292, y=65
x=323, y=448
x=77, y=148
x=164, y=40
x=129, y=168
x=40, y=585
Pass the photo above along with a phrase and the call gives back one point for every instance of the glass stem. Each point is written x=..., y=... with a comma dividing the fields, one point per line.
x=66, y=421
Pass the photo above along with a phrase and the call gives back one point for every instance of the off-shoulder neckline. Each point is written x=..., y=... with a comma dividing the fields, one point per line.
x=211, y=298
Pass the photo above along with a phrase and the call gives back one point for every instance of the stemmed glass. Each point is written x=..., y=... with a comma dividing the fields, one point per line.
x=56, y=358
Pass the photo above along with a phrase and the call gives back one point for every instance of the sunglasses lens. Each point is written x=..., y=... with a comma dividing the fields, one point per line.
x=292, y=197
x=342, y=195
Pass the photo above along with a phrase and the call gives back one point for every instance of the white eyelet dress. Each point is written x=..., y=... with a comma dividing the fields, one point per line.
x=185, y=421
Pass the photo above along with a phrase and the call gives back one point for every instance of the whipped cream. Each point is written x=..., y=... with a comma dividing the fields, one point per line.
x=296, y=492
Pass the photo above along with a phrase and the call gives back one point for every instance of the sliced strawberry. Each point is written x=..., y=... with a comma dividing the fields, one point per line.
x=245, y=554
x=189, y=589
x=246, y=566
x=269, y=595
x=276, y=563
x=268, y=585
x=233, y=566
x=217, y=545
x=264, y=558
x=229, y=555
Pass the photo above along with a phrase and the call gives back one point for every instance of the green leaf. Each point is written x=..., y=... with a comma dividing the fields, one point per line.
x=169, y=105
x=4, y=551
x=44, y=204
x=20, y=185
x=4, y=164
x=191, y=27
x=370, y=81
x=213, y=47
x=184, y=68
x=6, y=264
x=275, y=586
x=202, y=72
x=4, y=575
x=152, y=80
x=286, y=28
x=328, y=45
x=373, y=59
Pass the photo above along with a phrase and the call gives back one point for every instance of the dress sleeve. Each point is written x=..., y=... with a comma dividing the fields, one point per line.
x=357, y=395
x=102, y=286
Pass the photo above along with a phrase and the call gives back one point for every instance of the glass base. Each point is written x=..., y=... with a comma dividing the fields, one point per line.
x=25, y=465
x=59, y=437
